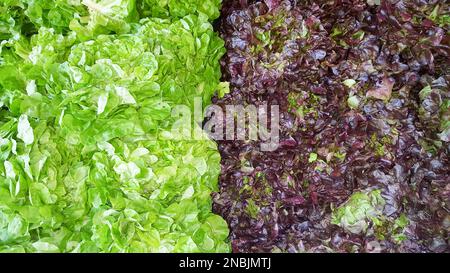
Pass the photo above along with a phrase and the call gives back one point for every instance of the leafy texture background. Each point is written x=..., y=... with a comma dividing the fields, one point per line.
x=88, y=159
x=363, y=89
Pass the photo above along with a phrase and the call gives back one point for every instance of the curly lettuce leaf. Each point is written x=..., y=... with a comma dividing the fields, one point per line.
x=86, y=105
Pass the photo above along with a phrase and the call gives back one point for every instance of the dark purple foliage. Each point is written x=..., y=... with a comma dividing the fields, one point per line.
x=298, y=54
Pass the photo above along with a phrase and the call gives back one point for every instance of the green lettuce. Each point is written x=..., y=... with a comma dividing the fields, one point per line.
x=180, y=8
x=89, y=161
x=359, y=211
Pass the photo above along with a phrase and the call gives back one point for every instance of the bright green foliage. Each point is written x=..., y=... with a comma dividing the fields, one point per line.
x=312, y=157
x=353, y=102
x=88, y=163
x=361, y=209
x=180, y=8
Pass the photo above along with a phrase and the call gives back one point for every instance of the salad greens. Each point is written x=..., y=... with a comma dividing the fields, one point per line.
x=88, y=159
x=355, y=214
x=363, y=161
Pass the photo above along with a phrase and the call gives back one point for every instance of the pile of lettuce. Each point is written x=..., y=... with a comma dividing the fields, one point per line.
x=89, y=162
x=363, y=88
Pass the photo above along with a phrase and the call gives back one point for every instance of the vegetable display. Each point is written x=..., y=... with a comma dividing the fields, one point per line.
x=97, y=153
x=89, y=162
x=364, y=93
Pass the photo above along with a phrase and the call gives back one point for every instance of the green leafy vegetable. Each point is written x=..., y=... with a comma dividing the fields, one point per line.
x=349, y=83
x=89, y=161
x=312, y=157
x=361, y=209
x=180, y=8
x=353, y=102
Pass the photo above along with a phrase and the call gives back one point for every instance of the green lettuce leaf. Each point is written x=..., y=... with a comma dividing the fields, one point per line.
x=89, y=159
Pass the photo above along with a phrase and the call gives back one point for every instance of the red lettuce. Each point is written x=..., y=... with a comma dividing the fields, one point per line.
x=363, y=90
